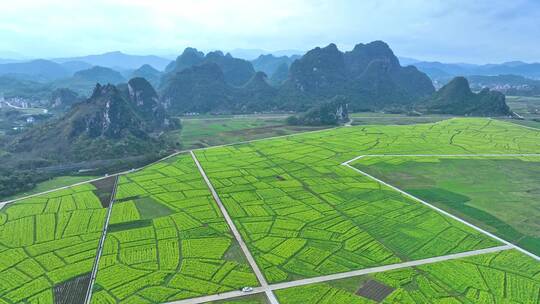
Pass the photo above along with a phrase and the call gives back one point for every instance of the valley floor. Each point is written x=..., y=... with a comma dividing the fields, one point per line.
x=283, y=216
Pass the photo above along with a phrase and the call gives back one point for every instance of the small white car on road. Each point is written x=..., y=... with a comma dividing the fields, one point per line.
x=247, y=289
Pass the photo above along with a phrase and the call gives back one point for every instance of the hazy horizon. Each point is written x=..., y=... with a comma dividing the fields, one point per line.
x=460, y=31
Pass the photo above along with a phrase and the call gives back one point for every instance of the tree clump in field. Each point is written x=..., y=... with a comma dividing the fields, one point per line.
x=327, y=113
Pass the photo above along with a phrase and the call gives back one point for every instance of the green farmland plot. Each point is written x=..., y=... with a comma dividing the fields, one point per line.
x=48, y=244
x=503, y=277
x=301, y=213
x=500, y=194
x=304, y=215
x=167, y=240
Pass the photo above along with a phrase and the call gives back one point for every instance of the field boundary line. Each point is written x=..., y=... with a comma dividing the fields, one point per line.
x=236, y=233
x=343, y=275
x=101, y=244
x=3, y=203
x=347, y=164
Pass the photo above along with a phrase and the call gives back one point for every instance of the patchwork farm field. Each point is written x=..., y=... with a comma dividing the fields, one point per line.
x=304, y=214
x=167, y=240
x=500, y=194
x=48, y=245
x=503, y=277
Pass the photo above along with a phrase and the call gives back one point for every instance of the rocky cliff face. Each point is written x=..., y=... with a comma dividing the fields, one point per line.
x=145, y=99
x=369, y=76
x=320, y=72
x=113, y=122
x=106, y=113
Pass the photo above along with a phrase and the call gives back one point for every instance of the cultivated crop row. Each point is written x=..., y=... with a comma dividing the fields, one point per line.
x=46, y=241
x=503, y=277
x=167, y=240
x=304, y=215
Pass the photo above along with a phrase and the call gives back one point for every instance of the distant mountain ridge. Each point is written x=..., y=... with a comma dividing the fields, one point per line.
x=270, y=64
x=441, y=71
x=36, y=70
x=119, y=60
x=252, y=54
x=369, y=76
x=235, y=71
x=98, y=74
x=149, y=73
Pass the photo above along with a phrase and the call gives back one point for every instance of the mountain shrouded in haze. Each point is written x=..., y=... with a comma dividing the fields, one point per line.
x=37, y=70
x=189, y=58
x=119, y=60
x=457, y=98
x=368, y=77
x=149, y=73
x=442, y=72
x=269, y=64
x=82, y=82
x=100, y=74
x=236, y=71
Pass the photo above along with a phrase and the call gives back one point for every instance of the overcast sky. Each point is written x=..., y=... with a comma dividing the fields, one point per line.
x=476, y=31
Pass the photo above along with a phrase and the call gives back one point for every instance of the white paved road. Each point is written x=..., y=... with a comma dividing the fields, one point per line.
x=343, y=275
x=440, y=155
x=236, y=234
x=100, y=247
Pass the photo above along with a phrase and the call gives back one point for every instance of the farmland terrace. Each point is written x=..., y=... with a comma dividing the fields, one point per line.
x=282, y=215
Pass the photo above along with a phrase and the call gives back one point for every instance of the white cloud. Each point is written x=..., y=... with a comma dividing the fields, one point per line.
x=450, y=30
